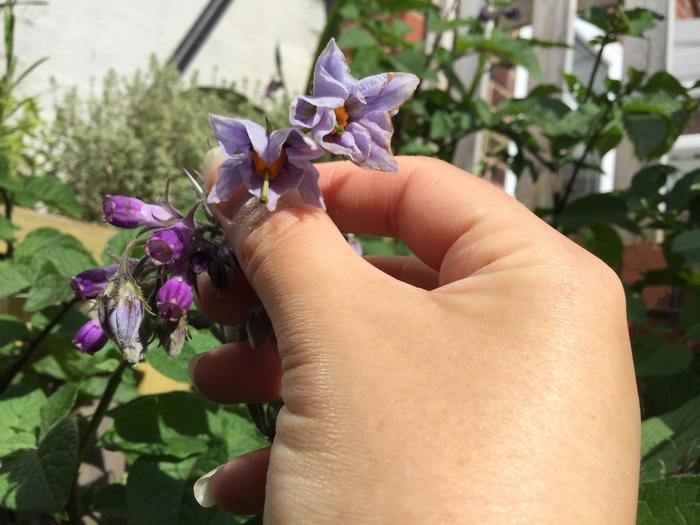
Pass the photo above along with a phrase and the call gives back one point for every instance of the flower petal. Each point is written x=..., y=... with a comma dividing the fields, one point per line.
x=309, y=190
x=384, y=92
x=229, y=178
x=275, y=141
x=332, y=77
x=287, y=180
x=299, y=148
x=380, y=129
x=238, y=135
x=307, y=111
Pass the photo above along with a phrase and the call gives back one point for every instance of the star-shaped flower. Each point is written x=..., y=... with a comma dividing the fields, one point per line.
x=351, y=117
x=267, y=164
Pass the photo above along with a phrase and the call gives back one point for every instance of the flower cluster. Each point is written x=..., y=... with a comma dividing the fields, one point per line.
x=147, y=298
x=343, y=115
x=139, y=299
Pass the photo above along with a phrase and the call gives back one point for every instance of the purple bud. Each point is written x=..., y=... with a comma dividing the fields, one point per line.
x=129, y=212
x=174, y=298
x=89, y=284
x=169, y=245
x=90, y=338
x=225, y=254
x=121, y=313
x=486, y=14
x=513, y=12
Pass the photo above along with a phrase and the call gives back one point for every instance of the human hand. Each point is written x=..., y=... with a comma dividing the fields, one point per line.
x=487, y=380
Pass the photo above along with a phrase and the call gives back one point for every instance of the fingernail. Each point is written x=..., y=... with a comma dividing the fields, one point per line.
x=203, y=492
x=191, y=365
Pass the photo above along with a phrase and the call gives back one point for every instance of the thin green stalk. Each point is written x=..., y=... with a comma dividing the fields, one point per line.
x=23, y=359
x=102, y=407
x=88, y=436
x=596, y=67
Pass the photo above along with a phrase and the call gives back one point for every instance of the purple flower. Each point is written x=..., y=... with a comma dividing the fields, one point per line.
x=174, y=298
x=169, y=245
x=121, y=311
x=513, y=12
x=90, y=338
x=486, y=14
x=89, y=284
x=352, y=117
x=267, y=164
x=129, y=212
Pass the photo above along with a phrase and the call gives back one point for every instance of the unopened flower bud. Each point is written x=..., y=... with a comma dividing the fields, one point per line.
x=121, y=312
x=174, y=298
x=169, y=245
x=258, y=327
x=130, y=212
x=199, y=261
x=89, y=284
x=91, y=337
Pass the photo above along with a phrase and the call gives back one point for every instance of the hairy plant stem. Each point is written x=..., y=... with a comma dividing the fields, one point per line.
x=89, y=433
x=23, y=359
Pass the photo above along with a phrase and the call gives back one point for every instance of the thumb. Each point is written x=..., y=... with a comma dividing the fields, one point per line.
x=295, y=258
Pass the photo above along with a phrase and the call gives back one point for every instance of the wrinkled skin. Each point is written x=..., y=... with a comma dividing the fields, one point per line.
x=487, y=380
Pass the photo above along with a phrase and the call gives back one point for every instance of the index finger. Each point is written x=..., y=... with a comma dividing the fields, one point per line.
x=432, y=206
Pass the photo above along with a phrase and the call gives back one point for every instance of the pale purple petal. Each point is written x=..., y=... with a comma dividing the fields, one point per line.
x=380, y=129
x=332, y=77
x=309, y=190
x=301, y=148
x=354, y=143
x=238, y=135
x=287, y=180
x=324, y=127
x=274, y=145
x=384, y=92
x=307, y=111
x=229, y=177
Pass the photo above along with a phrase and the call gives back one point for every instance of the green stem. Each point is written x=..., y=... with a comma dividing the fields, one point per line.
x=88, y=435
x=265, y=192
x=101, y=410
x=23, y=359
x=596, y=67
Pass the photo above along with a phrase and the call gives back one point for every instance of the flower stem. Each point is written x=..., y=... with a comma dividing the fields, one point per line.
x=101, y=410
x=18, y=365
x=265, y=193
x=89, y=434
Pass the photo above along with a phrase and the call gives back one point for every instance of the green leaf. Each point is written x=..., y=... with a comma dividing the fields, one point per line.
x=40, y=479
x=12, y=329
x=604, y=242
x=117, y=244
x=654, y=356
x=670, y=441
x=355, y=37
x=598, y=208
x=647, y=132
x=441, y=125
x=682, y=192
x=58, y=406
x=674, y=500
x=383, y=246
x=51, y=191
x=110, y=502
x=636, y=307
x=647, y=182
x=176, y=367
x=688, y=244
x=47, y=245
x=173, y=502
x=690, y=314
x=49, y=289
x=7, y=230
x=13, y=278
x=19, y=410
x=177, y=424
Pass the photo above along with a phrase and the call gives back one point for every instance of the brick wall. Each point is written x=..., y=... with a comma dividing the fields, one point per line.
x=687, y=9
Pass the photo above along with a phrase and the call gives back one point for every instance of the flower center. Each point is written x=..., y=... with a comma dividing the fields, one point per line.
x=268, y=171
x=341, y=120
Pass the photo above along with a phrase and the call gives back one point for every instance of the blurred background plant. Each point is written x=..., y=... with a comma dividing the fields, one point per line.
x=142, y=129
